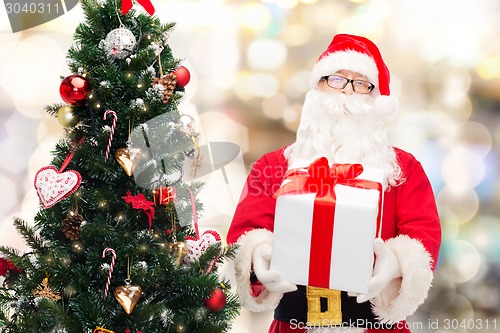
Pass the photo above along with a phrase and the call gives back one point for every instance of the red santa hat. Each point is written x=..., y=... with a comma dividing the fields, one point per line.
x=357, y=54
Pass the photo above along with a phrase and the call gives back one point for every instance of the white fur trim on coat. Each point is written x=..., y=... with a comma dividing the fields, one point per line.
x=403, y=296
x=267, y=300
x=345, y=60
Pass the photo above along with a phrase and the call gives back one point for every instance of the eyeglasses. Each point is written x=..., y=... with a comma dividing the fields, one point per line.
x=340, y=82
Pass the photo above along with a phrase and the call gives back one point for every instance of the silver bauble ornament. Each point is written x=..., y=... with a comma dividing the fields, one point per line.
x=187, y=124
x=120, y=43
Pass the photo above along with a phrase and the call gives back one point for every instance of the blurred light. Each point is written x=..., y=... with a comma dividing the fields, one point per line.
x=463, y=169
x=489, y=68
x=297, y=34
x=309, y=2
x=219, y=127
x=9, y=193
x=298, y=84
x=464, y=260
x=26, y=69
x=266, y=54
x=368, y=19
x=324, y=16
x=474, y=136
x=254, y=16
x=464, y=204
x=287, y=4
x=257, y=85
x=291, y=117
x=14, y=147
x=274, y=106
x=449, y=83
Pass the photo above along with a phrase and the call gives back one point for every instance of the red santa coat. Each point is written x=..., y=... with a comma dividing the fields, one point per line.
x=411, y=229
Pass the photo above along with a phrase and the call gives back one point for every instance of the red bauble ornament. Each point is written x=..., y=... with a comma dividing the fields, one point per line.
x=74, y=89
x=183, y=76
x=163, y=195
x=217, y=301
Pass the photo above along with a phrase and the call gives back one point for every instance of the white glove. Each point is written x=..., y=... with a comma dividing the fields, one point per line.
x=385, y=270
x=270, y=279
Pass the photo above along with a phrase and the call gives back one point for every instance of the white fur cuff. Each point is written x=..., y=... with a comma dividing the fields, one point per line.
x=243, y=265
x=403, y=296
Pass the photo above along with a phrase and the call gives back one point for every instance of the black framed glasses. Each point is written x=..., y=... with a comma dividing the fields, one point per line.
x=340, y=82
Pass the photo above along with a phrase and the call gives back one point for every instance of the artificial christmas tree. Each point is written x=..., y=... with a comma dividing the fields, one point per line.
x=115, y=246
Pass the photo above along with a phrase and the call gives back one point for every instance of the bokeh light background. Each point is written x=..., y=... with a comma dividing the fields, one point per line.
x=250, y=63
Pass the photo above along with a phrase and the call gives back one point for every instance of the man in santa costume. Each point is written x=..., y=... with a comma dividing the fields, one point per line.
x=342, y=120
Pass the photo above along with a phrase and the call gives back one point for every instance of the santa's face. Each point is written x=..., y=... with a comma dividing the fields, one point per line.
x=344, y=126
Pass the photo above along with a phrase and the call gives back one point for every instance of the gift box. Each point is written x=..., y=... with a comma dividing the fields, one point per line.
x=325, y=223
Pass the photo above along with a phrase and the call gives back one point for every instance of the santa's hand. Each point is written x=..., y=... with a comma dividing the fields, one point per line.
x=270, y=279
x=385, y=270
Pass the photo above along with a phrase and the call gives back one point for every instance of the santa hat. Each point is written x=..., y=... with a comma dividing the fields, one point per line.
x=357, y=54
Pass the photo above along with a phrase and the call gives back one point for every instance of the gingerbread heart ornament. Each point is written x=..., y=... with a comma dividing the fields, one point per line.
x=128, y=296
x=196, y=247
x=52, y=185
x=129, y=159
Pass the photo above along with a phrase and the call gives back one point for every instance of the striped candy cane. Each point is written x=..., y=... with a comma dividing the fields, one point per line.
x=113, y=259
x=113, y=126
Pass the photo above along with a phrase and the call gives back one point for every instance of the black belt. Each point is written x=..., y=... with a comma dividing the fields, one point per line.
x=293, y=309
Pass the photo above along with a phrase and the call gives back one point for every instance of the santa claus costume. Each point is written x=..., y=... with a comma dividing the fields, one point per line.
x=345, y=128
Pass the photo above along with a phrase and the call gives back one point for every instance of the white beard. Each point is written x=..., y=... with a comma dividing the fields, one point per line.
x=344, y=129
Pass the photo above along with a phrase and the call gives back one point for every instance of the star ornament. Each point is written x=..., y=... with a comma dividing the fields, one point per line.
x=139, y=201
x=44, y=290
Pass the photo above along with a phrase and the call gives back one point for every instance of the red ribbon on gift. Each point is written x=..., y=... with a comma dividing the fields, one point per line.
x=321, y=179
x=148, y=6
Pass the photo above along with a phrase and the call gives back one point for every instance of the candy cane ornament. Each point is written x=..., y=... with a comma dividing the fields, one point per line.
x=113, y=126
x=111, y=267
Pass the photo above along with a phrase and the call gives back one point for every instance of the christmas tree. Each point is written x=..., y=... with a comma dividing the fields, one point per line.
x=115, y=246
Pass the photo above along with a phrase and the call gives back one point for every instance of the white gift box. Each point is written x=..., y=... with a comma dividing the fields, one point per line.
x=354, y=229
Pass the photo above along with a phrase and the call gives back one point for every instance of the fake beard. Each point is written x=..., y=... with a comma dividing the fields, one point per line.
x=344, y=129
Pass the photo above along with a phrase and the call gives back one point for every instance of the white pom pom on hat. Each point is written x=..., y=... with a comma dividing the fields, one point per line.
x=357, y=54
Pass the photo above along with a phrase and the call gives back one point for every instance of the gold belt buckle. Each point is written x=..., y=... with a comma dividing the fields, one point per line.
x=333, y=314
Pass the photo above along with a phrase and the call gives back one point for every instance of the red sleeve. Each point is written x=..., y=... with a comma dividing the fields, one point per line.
x=417, y=214
x=255, y=209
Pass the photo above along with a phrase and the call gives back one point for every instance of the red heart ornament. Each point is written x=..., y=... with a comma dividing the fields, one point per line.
x=52, y=186
x=196, y=247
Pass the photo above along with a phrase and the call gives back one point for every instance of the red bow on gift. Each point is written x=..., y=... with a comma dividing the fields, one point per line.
x=148, y=6
x=321, y=179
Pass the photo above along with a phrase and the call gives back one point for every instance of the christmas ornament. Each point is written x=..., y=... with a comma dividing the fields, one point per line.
x=129, y=158
x=146, y=4
x=167, y=83
x=53, y=185
x=113, y=126
x=71, y=226
x=183, y=76
x=196, y=246
x=164, y=195
x=44, y=290
x=111, y=267
x=139, y=202
x=74, y=89
x=120, y=43
x=101, y=330
x=186, y=124
x=216, y=301
x=128, y=295
x=66, y=117
x=177, y=250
